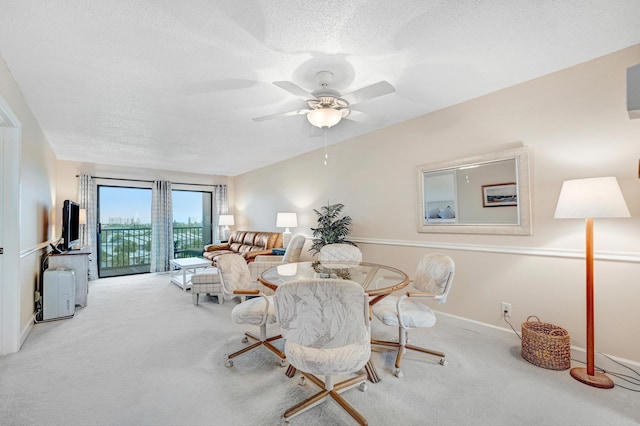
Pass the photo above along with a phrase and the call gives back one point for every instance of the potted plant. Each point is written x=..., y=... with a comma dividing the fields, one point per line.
x=331, y=228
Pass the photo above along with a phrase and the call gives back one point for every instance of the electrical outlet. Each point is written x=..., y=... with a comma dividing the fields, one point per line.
x=506, y=309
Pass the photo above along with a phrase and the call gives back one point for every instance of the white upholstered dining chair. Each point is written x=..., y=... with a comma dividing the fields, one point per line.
x=235, y=280
x=341, y=252
x=326, y=326
x=433, y=280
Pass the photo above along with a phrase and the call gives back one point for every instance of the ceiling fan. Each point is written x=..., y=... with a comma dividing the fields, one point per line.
x=326, y=107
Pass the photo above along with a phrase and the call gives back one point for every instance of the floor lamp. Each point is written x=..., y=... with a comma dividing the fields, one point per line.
x=588, y=199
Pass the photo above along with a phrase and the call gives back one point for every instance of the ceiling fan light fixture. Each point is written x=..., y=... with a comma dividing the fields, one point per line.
x=324, y=117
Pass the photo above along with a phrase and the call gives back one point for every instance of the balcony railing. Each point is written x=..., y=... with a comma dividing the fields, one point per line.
x=127, y=250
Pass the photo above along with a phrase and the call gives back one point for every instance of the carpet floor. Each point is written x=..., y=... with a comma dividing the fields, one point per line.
x=140, y=353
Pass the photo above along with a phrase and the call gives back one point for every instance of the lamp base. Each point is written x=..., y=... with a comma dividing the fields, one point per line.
x=286, y=237
x=598, y=380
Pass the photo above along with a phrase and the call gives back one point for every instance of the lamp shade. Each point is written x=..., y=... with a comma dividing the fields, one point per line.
x=286, y=220
x=82, y=219
x=324, y=117
x=591, y=198
x=226, y=220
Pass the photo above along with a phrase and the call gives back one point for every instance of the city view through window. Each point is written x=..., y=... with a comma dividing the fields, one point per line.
x=124, y=237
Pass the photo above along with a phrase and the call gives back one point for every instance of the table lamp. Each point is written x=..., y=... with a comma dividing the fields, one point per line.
x=286, y=220
x=226, y=220
x=588, y=199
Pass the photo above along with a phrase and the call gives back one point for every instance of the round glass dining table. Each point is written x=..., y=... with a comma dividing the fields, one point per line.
x=377, y=281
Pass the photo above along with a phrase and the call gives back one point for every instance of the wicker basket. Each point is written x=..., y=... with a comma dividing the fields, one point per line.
x=545, y=345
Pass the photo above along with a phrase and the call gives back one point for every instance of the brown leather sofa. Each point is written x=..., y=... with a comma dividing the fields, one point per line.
x=249, y=244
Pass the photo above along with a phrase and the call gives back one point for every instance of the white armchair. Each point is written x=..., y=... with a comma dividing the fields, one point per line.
x=292, y=254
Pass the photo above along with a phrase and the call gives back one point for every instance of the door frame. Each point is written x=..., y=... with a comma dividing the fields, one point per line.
x=10, y=140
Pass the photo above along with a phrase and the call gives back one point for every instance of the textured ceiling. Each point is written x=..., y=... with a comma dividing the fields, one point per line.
x=174, y=85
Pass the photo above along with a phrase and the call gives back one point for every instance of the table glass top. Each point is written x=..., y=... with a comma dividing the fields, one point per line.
x=374, y=278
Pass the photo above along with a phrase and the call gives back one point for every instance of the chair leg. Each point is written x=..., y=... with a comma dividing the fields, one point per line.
x=247, y=349
x=329, y=390
x=402, y=346
x=259, y=341
x=194, y=298
x=348, y=408
x=306, y=404
x=426, y=351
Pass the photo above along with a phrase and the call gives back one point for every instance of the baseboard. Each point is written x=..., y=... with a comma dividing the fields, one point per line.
x=577, y=353
x=476, y=326
x=25, y=331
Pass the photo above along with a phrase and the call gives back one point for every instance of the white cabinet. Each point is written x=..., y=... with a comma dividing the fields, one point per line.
x=78, y=260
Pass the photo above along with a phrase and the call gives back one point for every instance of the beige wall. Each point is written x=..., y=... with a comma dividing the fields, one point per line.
x=32, y=206
x=576, y=125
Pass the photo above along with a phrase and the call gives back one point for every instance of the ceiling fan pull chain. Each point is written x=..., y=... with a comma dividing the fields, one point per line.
x=326, y=153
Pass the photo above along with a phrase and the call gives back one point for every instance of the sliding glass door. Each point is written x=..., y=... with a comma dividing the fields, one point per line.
x=124, y=231
x=191, y=222
x=124, y=228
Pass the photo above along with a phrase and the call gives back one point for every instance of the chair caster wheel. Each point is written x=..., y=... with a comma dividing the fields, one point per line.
x=302, y=381
x=228, y=364
x=398, y=373
x=245, y=339
x=363, y=387
x=283, y=362
x=444, y=362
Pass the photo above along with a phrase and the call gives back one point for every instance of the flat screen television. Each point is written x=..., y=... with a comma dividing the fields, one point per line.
x=70, y=224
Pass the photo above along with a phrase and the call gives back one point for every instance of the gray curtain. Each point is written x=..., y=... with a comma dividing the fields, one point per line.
x=220, y=206
x=161, y=226
x=87, y=200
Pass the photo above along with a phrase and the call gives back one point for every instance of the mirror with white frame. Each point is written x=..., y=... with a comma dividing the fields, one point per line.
x=484, y=194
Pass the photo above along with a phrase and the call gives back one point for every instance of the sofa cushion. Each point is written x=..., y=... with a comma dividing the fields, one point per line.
x=211, y=255
x=262, y=239
x=249, y=238
x=236, y=237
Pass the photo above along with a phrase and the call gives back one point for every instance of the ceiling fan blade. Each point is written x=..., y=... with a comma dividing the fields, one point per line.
x=362, y=117
x=281, y=114
x=375, y=90
x=294, y=89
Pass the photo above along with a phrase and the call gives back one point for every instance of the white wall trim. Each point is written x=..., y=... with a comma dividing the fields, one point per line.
x=525, y=251
x=36, y=248
x=577, y=353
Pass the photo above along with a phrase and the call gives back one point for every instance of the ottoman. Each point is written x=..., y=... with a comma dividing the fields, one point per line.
x=208, y=282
